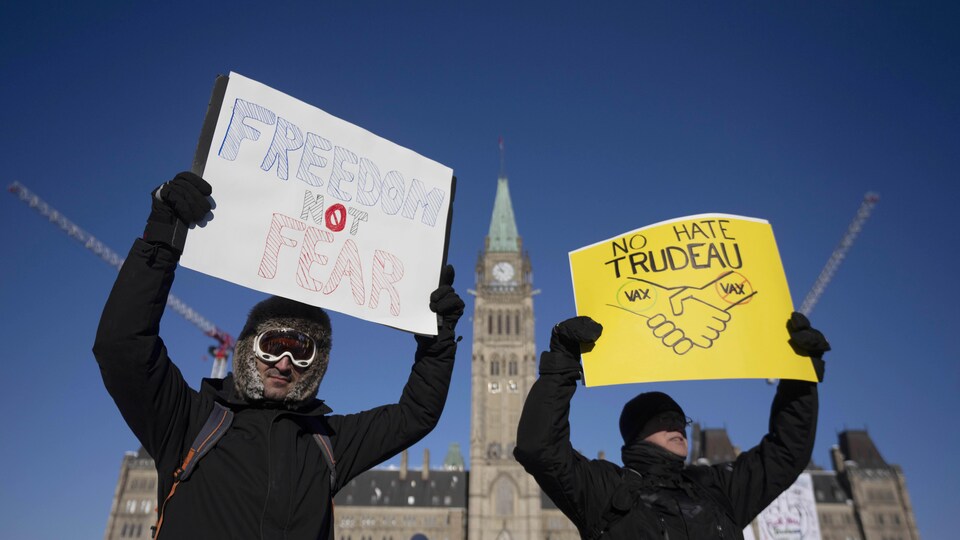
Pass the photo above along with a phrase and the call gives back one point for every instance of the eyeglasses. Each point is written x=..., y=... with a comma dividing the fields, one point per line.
x=271, y=345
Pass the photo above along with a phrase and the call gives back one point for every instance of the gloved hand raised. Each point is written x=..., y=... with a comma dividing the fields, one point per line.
x=564, y=355
x=445, y=302
x=176, y=205
x=807, y=341
x=569, y=334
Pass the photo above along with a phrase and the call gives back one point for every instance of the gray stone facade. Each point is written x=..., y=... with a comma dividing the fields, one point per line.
x=133, y=510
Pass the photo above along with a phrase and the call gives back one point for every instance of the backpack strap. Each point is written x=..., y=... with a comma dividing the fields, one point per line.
x=322, y=437
x=212, y=431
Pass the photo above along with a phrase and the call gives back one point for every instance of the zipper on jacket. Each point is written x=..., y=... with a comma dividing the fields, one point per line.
x=663, y=527
x=266, y=500
x=719, y=517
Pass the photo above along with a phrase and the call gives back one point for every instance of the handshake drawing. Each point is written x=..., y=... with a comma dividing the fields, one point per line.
x=696, y=316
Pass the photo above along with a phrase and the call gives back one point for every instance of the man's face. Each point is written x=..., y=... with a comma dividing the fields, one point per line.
x=262, y=364
x=279, y=377
x=284, y=357
x=669, y=431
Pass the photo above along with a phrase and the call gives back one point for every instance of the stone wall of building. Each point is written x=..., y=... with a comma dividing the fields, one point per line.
x=133, y=510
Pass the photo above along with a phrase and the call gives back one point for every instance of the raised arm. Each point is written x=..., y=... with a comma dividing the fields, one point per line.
x=366, y=439
x=760, y=474
x=543, y=435
x=146, y=386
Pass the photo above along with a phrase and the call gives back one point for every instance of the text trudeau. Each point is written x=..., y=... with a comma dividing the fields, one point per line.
x=717, y=249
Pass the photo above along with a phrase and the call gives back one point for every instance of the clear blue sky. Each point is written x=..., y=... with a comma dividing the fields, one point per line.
x=615, y=115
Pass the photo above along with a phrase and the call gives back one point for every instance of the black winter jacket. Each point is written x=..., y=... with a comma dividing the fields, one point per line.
x=718, y=501
x=266, y=478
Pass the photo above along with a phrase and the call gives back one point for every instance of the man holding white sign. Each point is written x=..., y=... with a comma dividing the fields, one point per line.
x=272, y=455
x=655, y=495
x=313, y=208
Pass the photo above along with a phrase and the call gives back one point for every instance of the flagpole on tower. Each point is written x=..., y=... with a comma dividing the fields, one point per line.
x=503, y=173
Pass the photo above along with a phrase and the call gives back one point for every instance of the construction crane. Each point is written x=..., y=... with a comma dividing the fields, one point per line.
x=220, y=352
x=869, y=201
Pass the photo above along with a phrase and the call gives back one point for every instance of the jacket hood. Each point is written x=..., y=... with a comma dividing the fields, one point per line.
x=279, y=312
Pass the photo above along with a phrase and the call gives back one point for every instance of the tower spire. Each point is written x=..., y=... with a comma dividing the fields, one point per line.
x=503, y=235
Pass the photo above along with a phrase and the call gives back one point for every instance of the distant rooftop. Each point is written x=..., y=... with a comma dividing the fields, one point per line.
x=857, y=446
x=712, y=445
x=380, y=487
x=454, y=459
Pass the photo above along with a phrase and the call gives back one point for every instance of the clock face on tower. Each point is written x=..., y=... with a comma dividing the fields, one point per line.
x=502, y=272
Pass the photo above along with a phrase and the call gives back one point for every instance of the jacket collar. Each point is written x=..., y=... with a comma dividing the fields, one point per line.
x=224, y=391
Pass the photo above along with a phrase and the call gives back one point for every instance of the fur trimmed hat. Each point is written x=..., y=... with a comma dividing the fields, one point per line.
x=279, y=312
x=639, y=410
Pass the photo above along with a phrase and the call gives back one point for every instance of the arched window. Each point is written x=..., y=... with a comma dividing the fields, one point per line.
x=504, y=497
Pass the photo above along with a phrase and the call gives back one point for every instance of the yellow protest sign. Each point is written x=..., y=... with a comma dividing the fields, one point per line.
x=698, y=297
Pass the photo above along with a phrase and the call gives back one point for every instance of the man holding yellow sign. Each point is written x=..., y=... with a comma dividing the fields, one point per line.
x=693, y=298
x=655, y=495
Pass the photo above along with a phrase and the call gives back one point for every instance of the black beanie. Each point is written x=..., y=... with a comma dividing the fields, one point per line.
x=639, y=410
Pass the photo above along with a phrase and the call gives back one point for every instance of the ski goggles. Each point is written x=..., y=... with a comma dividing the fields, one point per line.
x=271, y=345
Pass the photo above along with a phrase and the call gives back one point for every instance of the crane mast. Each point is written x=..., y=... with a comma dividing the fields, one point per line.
x=869, y=201
x=221, y=352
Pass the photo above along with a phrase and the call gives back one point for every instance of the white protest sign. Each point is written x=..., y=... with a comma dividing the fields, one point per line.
x=313, y=208
x=792, y=515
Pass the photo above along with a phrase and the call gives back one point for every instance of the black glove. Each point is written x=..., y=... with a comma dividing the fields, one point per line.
x=176, y=205
x=445, y=302
x=807, y=341
x=569, y=334
x=564, y=354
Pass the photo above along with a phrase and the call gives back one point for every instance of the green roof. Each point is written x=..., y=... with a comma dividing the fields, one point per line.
x=454, y=459
x=503, y=227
